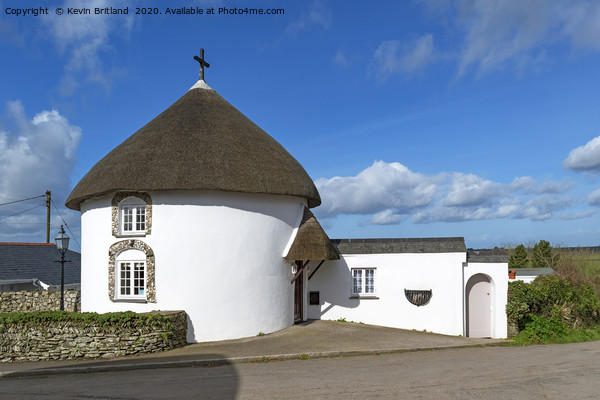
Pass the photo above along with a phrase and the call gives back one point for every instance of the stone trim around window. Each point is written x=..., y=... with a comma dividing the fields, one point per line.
x=119, y=197
x=126, y=245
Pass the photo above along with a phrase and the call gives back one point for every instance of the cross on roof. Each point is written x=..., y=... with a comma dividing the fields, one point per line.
x=202, y=63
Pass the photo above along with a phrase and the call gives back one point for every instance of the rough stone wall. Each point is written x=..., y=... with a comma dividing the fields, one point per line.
x=28, y=300
x=40, y=341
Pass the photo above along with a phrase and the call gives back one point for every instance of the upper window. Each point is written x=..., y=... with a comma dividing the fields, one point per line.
x=133, y=219
x=363, y=281
x=132, y=216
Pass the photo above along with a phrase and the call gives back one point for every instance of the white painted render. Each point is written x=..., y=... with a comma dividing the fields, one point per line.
x=218, y=256
x=525, y=278
x=200, y=84
x=445, y=274
x=394, y=273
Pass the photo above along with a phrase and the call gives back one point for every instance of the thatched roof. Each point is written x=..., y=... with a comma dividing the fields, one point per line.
x=311, y=242
x=200, y=142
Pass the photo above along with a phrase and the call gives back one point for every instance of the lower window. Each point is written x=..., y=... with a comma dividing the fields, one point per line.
x=363, y=281
x=131, y=280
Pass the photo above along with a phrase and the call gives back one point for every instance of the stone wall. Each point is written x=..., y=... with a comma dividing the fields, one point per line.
x=42, y=339
x=35, y=300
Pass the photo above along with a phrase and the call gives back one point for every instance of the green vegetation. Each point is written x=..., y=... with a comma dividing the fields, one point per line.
x=350, y=322
x=561, y=308
x=553, y=309
x=580, y=265
x=261, y=333
x=106, y=320
x=304, y=357
x=543, y=256
x=519, y=258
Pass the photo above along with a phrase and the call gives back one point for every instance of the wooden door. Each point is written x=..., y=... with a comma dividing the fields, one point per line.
x=298, y=296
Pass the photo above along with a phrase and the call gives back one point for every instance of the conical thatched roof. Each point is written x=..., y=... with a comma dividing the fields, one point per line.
x=200, y=142
x=311, y=242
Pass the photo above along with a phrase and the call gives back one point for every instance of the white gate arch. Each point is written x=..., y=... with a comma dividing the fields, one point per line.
x=479, y=306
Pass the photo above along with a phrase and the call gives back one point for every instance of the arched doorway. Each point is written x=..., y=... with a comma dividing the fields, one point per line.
x=479, y=306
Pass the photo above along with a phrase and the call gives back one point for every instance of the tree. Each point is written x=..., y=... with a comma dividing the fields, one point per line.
x=519, y=258
x=543, y=256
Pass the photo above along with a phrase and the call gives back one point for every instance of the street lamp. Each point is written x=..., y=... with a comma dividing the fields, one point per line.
x=62, y=245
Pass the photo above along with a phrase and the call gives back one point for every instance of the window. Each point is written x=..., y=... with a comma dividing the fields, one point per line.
x=132, y=280
x=134, y=219
x=131, y=270
x=132, y=216
x=363, y=281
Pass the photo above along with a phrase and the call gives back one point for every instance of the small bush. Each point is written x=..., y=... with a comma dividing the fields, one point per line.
x=543, y=330
x=552, y=308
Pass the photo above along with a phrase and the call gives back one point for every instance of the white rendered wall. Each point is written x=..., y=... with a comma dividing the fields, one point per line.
x=441, y=272
x=499, y=286
x=218, y=257
x=524, y=278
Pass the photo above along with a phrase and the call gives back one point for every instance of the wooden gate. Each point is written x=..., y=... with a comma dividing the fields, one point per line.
x=479, y=306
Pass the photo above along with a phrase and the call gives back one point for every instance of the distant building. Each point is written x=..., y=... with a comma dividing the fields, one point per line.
x=32, y=266
x=528, y=275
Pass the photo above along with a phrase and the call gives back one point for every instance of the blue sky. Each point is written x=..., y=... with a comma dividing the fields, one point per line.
x=415, y=119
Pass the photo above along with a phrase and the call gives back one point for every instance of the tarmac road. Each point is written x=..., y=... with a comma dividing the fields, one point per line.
x=569, y=371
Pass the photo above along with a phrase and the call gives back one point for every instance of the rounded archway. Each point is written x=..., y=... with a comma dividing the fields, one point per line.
x=479, y=306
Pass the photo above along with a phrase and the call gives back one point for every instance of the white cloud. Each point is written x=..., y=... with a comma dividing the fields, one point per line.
x=379, y=187
x=585, y=158
x=394, y=57
x=318, y=15
x=341, y=59
x=555, y=187
x=582, y=23
x=511, y=33
x=470, y=190
x=386, y=217
x=83, y=38
x=577, y=215
x=506, y=34
x=390, y=193
x=543, y=207
x=593, y=198
x=38, y=156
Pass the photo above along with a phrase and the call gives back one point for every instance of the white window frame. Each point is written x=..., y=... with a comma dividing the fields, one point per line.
x=363, y=282
x=143, y=290
x=138, y=211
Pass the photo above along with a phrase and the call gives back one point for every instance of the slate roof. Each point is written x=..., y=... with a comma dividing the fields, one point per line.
x=487, y=256
x=36, y=260
x=534, y=271
x=199, y=142
x=311, y=241
x=400, y=245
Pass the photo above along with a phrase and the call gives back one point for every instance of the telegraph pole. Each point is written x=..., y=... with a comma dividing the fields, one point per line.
x=48, y=201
